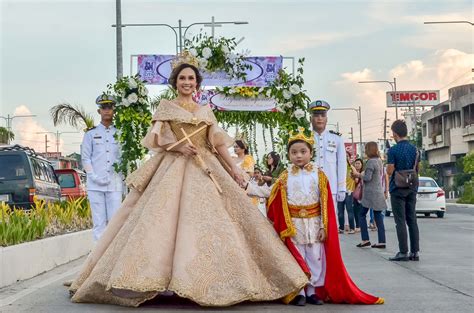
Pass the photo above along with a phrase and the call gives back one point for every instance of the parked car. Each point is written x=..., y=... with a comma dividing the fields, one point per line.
x=25, y=175
x=430, y=199
x=72, y=182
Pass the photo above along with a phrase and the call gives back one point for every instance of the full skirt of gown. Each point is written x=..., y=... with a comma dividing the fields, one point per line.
x=176, y=232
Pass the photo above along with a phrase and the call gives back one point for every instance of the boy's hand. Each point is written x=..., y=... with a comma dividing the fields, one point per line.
x=321, y=235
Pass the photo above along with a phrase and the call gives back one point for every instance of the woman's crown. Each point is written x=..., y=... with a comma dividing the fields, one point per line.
x=300, y=135
x=184, y=57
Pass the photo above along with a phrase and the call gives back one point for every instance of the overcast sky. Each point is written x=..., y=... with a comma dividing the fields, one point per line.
x=56, y=51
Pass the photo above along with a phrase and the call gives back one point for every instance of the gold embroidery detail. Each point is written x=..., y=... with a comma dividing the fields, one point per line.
x=305, y=211
x=323, y=193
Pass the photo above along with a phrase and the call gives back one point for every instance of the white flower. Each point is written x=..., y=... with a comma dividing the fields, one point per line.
x=295, y=89
x=279, y=108
x=144, y=91
x=231, y=91
x=225, y=49
x=132, y=98
x=288, y=105
x=125, y=102
x=206, y=52
x=202, y=63
x=299, y=113
x=132, y=84
x=286, y=94
x=260, y=90
x=193, y=52
x=269, y=93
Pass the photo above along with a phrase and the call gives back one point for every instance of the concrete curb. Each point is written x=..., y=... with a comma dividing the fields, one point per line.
x=29, y=259
x=470, y=206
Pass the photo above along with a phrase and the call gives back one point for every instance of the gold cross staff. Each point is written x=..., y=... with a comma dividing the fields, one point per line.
x=198, y=158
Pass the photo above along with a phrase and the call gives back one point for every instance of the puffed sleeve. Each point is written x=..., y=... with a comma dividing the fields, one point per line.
x=159, y=135
x=217, y=136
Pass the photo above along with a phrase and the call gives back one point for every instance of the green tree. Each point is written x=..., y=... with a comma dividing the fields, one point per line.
x=428, y=170
x=74, y=115
x=6, y=135
x=467, y=179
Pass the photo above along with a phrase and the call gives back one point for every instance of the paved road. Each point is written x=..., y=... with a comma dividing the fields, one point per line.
x=443, y=281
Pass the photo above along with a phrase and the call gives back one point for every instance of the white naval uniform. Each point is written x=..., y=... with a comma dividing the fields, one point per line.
x=99, y=151
x=330, y=156
x=303, y=189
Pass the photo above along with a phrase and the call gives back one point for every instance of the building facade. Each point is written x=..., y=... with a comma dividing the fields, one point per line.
x=448, y=131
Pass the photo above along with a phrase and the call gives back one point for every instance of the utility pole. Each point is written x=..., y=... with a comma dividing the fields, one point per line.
x=46, y=143
x=360, y=130
x=385, y=134
x=118, y=22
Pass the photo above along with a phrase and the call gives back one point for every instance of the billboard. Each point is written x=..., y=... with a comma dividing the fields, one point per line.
x=412, y=98
x=156, y=70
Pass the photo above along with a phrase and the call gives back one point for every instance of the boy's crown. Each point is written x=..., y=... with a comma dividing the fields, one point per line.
x=184, y=57
x=300, y=135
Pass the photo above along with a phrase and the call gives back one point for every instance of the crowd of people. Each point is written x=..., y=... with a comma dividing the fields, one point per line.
x=187, y=228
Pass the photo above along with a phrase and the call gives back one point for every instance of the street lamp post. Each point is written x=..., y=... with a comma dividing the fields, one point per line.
x=9, y=121
x=359, y=120
x=392, y=84
x=179, y=35
x=450, y=22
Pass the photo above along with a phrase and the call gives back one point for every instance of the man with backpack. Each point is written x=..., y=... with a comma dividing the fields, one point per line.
x=402, y=166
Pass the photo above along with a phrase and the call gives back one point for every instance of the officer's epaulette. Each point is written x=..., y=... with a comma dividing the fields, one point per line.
x=90, y=128
x=335, y=133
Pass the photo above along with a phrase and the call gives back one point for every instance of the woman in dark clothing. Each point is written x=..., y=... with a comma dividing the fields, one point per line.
x=274, y=168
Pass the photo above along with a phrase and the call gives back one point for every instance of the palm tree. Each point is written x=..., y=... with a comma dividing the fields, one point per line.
x=6, y=135
x=73, y=115
x=168, y=94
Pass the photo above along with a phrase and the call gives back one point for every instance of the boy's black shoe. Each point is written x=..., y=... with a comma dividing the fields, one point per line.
x=313, y=299
x=299, y=300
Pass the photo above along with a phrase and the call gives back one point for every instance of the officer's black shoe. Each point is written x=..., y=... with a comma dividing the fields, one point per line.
x=414, y=256
x=299, y=300
x=313, y=299
x=400, y=257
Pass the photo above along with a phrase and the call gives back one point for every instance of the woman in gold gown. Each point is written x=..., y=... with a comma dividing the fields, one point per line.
x=176, y=232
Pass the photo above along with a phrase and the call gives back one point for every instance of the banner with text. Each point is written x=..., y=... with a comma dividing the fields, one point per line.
x=412, y=98
x=235, y=103
x=156, y=70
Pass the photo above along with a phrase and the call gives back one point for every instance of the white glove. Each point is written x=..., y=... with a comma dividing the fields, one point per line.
x=101, y=181
x=341, y=195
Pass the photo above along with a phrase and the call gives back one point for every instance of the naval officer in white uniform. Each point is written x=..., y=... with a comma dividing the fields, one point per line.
x=99, y=152
x=330, y=153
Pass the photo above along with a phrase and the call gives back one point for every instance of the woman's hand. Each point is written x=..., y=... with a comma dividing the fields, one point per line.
x=321, y=237
x=386, y=194
x=237, y=176
x=267, y=178
x=188, y=150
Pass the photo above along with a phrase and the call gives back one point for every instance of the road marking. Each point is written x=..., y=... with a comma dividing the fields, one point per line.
x=9, y=300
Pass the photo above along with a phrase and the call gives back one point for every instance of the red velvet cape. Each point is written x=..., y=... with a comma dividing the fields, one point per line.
x=338, y=285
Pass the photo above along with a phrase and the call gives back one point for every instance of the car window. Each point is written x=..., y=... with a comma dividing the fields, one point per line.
x=428, y=183
x=44, y=172
x=36, y=168
x=13, y=167
x=66, y=180
x=51, y=175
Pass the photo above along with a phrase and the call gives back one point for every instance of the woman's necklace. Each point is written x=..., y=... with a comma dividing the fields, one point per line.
x=188, y=106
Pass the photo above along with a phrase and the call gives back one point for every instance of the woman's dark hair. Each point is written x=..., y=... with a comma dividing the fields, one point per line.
x=372, y=150
x=241, y=145
x=399, y=127
x=299, y=141
x=257, y=169
x=174, y=75
x=361, y=162
x=276, y=160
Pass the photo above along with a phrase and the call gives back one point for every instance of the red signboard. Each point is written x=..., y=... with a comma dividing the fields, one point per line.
x=412, y=98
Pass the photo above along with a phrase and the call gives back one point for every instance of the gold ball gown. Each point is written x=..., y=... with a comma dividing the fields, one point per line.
x=176, y=232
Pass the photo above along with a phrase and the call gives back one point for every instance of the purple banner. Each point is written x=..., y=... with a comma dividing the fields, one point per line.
x=156, y=70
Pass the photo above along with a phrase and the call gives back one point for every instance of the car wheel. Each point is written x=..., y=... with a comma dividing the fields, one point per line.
x=440, y=214
x=427, y=214
x=387, y=213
